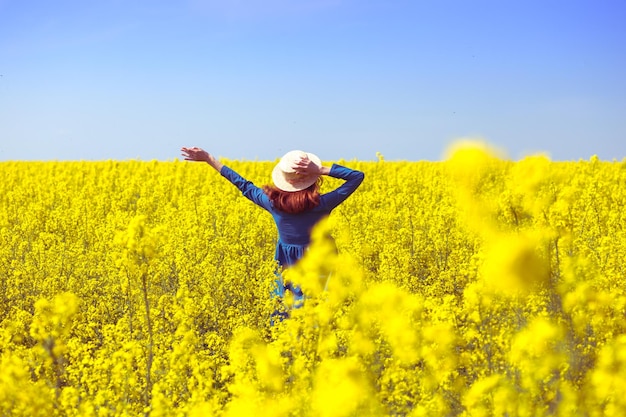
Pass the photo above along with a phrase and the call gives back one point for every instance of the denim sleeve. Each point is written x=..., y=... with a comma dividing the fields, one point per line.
x=353, y=179
x=247, y=188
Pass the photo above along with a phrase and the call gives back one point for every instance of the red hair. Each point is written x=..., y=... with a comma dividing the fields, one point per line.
x=294, y=202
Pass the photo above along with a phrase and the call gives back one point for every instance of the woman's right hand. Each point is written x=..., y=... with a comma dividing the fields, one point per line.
x=306, y=166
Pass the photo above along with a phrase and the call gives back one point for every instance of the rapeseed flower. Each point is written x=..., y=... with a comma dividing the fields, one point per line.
x=473, y=286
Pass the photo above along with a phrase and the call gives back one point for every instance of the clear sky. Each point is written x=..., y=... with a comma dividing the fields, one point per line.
x=252, y=79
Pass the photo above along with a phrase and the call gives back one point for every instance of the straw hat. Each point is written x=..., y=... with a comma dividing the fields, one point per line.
x=287, y=179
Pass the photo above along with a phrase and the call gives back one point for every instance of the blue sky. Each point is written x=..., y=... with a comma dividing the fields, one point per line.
x=252, y=79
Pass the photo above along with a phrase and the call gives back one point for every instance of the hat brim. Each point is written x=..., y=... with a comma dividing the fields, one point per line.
x=292, y=182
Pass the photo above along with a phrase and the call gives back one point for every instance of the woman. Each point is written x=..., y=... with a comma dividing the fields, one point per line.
x=294, y=200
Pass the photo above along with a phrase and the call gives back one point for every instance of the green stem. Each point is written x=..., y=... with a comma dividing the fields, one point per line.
x=146, y=302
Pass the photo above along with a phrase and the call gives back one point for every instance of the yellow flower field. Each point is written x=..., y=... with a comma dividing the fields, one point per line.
x=476, y=286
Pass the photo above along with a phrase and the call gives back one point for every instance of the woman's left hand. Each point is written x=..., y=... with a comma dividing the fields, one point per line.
x=195, y=154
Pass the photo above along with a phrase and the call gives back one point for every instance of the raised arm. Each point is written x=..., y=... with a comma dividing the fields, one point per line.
x=247, y=188
x=353, y=179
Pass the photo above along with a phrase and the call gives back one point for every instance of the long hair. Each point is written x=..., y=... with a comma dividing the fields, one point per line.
x=294, y=202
